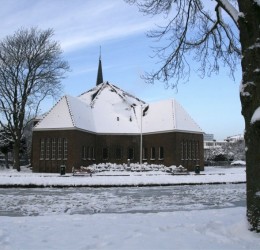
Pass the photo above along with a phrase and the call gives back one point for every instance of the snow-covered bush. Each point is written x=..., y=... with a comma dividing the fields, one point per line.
x=238, y=163
x=134, y=167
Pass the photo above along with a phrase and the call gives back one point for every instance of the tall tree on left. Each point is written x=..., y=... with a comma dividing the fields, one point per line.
x=31, y=68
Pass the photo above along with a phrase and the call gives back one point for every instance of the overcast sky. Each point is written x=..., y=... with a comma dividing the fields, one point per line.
x=82, y=26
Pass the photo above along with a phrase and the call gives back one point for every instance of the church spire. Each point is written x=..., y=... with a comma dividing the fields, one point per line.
x=99, y=73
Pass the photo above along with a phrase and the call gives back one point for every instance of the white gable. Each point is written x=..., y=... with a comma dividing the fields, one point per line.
x=108, y=109
x=183, y=119
x=168, y=115
x=58, y=117
x=159, y=117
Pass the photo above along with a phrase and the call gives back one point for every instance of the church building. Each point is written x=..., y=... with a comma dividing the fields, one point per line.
x=107, y=124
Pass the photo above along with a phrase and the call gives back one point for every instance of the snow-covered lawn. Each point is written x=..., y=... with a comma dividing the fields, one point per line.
x=198, y=229
x=113, y=178
x=225, y=228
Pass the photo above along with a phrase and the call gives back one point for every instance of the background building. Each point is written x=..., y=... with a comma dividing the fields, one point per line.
x=232, y=148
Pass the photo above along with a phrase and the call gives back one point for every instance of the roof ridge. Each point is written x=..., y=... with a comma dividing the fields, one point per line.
x=122, y=97
x=71, y=115
x=97, y=93
x=127, y=93
x=85, y=92
x=174, y=114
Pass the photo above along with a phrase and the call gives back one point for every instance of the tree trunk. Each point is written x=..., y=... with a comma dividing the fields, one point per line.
x=250, y=100
x=4, y=151
x=17, y=156
x=6, y=160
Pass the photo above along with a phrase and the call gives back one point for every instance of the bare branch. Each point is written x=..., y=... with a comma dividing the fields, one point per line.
x=230, y=10
x=192, y=33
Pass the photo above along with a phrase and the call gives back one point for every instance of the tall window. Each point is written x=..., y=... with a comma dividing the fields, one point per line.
x=53, y=149
x=59, y=148
x=190, y=150
x=83, y=153
x=105, y=153
x=182, y=150
x=92, y=153
x=152, y=153
x=47, y=148
x=161, y=153
x=130, y=153
x=197, y=149
x=65, y=149
x=42, y=149
x=185, y=147
x=118, y=153
x=145, y=153
x=193, y=150
x=88, y=153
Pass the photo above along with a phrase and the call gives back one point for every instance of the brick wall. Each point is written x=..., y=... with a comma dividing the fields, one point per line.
x=83, y=149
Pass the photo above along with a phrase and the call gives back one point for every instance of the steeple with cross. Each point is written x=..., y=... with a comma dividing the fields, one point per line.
x=99, y=73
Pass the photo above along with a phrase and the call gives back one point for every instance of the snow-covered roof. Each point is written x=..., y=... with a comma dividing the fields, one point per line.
x=168, y=115
x=110, y=110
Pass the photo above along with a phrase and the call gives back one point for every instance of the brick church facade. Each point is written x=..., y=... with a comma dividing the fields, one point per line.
x=107, y=124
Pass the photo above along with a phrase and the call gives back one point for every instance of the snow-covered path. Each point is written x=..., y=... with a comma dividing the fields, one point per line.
x=55, y=201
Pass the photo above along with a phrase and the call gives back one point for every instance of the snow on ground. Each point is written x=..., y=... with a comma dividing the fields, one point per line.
x=108, y=178
x=86, y=200
x=238, y=163
x=198, y=229
x=224, y=228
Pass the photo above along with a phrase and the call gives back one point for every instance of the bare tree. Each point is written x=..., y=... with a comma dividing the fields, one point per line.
x=5, y=145
x=31, y=68
x=236, y=149
x=215, y=33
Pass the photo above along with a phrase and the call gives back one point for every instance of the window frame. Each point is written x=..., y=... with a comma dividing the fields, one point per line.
x=92, y=153
x=53, y=148
x=161, y=153
x=153, y=154
x=65, y=148
x=59, y=156
x=47, y=153
x=105, y=153
x=42, y=149
x=83, y=152
x=118, y=153
x=130, y=153
x=145, y=153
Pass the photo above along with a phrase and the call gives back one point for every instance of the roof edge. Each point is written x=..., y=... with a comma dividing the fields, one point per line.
x=104, y=133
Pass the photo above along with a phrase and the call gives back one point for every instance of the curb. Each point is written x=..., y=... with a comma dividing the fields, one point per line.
x=112, y=186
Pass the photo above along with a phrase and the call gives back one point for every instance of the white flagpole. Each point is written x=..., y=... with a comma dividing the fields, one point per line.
x=141, y=136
